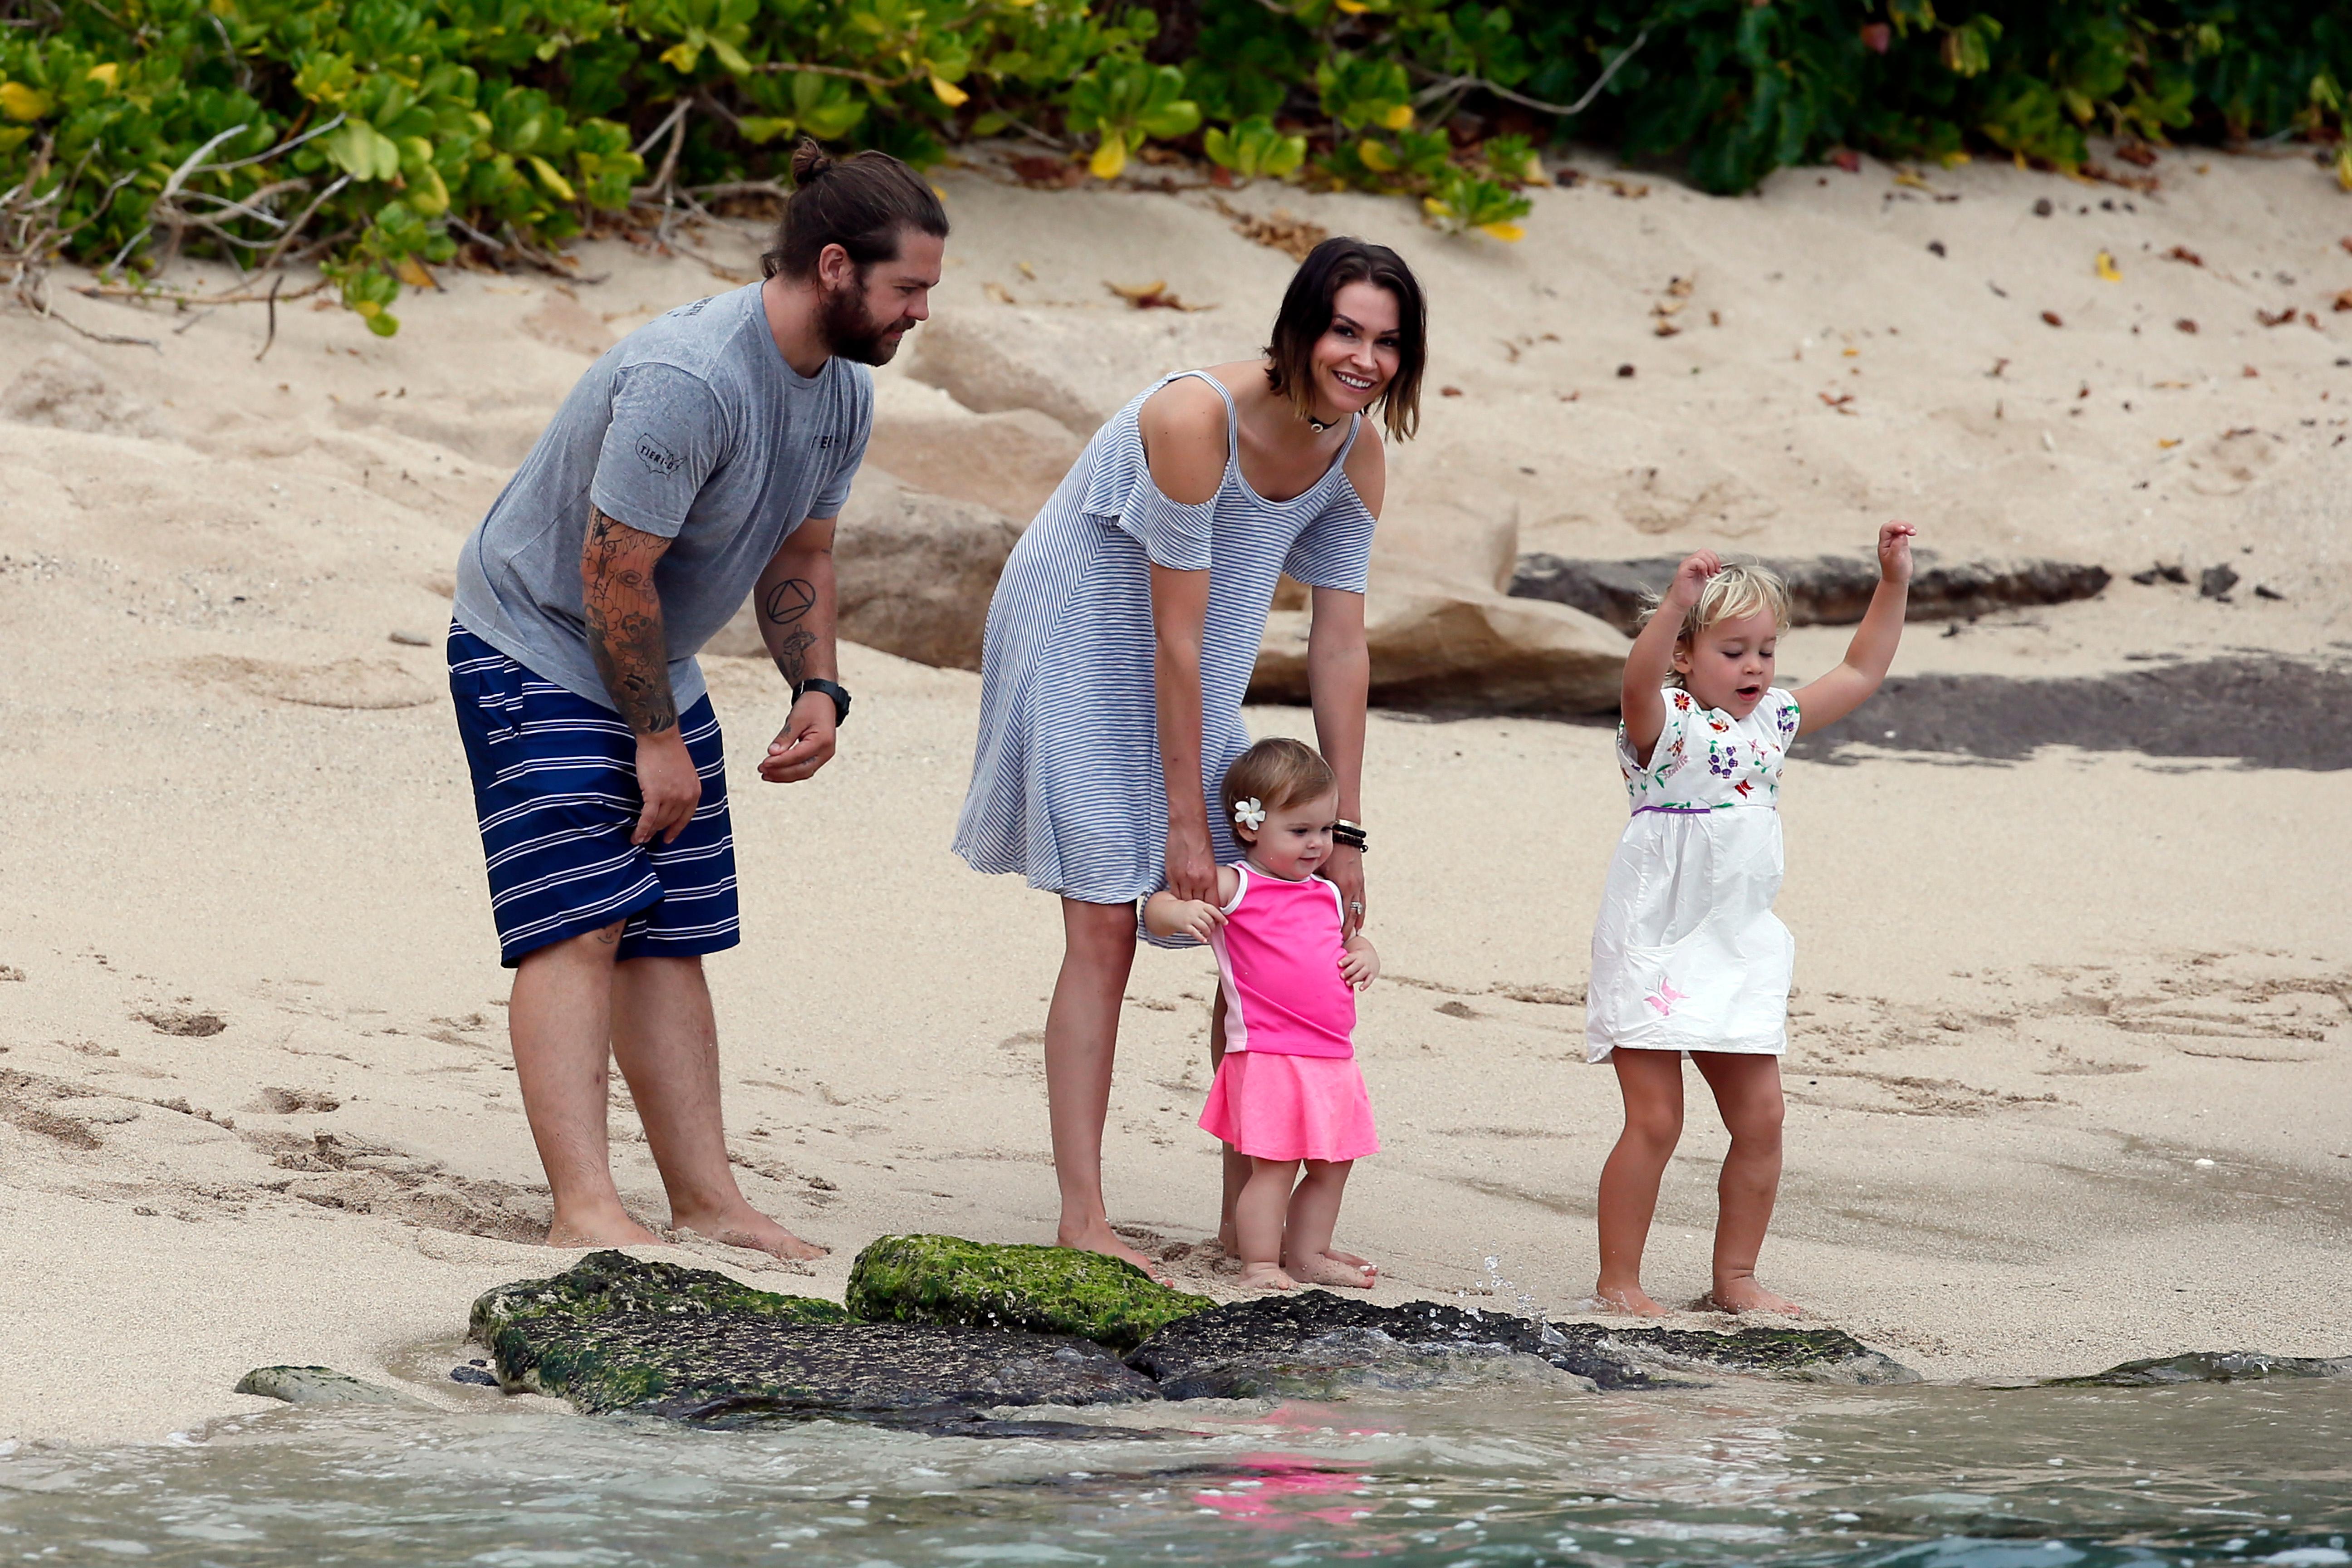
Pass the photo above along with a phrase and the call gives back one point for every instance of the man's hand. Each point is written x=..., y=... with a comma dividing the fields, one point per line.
x=1895, y=552
x=669, y=785
x=804, y=744
x=1345, y=871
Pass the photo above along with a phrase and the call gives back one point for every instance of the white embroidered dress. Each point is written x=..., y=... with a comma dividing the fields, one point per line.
x=1688, y=954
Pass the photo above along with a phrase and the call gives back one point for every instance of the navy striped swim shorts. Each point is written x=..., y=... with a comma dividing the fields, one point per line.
x=555, y=788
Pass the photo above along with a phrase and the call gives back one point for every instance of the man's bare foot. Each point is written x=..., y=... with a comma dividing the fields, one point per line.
x=1628, y=1299
x=748, y=1228
x=613, y=1229
x=1746, y=1296
x=1103, y=1239
x=1333, y=1268
x=1265, y=1276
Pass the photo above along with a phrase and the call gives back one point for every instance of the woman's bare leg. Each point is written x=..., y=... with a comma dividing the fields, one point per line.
x=1748, y=1092
x=1652, y=1084
x=1307, y=1254
x=1258, y=1220
x=1081, y=1038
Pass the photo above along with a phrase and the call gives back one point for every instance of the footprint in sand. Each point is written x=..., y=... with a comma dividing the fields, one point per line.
x=293, y=1101
x=182, y=1021
x=352, y=683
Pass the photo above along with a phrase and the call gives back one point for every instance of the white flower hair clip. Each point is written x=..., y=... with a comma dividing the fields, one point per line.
x=1249, y=814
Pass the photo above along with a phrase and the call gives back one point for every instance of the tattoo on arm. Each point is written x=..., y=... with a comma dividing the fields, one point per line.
x=786, y=605
x=624, y=624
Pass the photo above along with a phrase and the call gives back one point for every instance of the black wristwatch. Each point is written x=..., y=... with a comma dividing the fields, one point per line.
x=839, y=694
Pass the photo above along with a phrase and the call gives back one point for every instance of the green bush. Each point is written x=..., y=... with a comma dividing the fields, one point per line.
x=377, y=136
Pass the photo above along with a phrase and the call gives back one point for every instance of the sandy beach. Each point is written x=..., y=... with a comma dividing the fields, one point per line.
x=2073, y=1030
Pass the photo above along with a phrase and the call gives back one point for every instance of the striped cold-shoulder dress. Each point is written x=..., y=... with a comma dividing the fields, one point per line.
x=1066, y=784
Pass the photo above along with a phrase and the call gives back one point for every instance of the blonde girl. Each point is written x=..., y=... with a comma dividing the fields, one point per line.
x=1687, y=956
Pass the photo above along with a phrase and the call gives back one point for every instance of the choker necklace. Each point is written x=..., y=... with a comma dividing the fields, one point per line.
x=1317, y=426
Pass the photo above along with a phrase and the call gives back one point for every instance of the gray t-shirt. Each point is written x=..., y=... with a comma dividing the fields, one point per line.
x=692, y=427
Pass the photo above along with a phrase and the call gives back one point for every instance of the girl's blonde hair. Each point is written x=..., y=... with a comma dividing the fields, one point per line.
x=1277, y=773
x=1735, y=593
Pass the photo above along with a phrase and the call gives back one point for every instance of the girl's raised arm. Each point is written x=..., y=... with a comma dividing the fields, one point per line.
x=1652, y=655
x=1871, y=653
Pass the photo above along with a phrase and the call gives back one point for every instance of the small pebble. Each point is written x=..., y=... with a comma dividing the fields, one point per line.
x=472, y=1374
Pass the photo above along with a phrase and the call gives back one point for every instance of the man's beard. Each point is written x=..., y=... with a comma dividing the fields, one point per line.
x=854, y=335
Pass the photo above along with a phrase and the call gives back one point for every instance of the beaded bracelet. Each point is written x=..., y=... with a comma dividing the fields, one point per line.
x=1349, y=833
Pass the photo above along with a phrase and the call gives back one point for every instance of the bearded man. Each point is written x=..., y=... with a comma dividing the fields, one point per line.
x=706, y=455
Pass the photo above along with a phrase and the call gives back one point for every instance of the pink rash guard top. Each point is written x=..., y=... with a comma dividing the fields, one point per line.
x=1278, y=964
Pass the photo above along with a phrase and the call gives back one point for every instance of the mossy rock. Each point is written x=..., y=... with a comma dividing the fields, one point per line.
x=947, y=1281
x=564, y=1334
x=1317, y=1345
x=2208, y=1366
x=314, y=1385
x=1802, y=1355
x=612, y=1281
x=617, y=1333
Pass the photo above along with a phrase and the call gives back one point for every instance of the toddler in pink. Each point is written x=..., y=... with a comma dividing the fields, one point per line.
x=1287, y=1092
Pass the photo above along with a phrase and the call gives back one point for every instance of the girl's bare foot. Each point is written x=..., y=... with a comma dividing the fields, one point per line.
x=1265, y=1276
x=613, y=1229
x=1333, y=1268
x=1744, y=1295
x=1103, y=1239
x=748, y=1228
x=1628, y=1299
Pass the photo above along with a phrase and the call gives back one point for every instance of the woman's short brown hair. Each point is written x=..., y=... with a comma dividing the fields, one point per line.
x=1305, y=316
x=1277, y=773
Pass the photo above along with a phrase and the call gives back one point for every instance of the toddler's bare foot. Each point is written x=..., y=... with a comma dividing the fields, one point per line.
x=1745, y=1295
x=1627, y=1299
x=746, y=1226
x=1266, y=1277
x=1103, y=1239
x=1333, y=1268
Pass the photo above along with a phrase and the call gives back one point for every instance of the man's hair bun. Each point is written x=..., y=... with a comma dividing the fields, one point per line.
x=809, y=161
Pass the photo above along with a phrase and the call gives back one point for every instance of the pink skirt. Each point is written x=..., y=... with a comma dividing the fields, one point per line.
x=1273, y=1106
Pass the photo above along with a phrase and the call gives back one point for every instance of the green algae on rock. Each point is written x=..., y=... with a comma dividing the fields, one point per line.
x=947, y=1281
x=314, y=1385
x=617, y=1333
x=611, y=1281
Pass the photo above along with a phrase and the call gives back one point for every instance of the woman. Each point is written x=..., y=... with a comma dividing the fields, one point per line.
x=1122, y=636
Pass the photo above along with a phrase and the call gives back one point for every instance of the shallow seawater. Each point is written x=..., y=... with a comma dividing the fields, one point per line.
x=1918, y=1477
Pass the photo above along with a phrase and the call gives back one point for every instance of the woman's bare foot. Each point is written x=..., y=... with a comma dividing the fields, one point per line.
x=1627, y=1299
x=1103, y=1239
x=1265, y=1276
x=1333, y=1268
x=748, y=1228
x=1745, y=1295
x=613, y=1230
